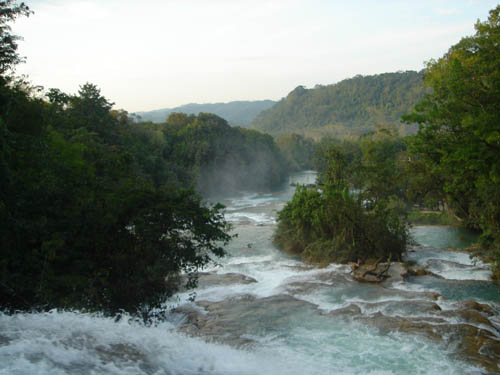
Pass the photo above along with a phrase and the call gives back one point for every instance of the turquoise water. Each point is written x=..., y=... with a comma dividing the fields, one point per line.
x=441, y=236
x=460, y=290
x=286, y=312
x=463, y=276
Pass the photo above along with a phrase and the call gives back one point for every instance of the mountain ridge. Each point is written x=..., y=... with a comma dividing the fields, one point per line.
x=237, y=113
x=350, y=107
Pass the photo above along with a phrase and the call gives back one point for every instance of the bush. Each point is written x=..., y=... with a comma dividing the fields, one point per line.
x=333, y=226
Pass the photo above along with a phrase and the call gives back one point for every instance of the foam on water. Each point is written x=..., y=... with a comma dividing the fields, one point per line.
x=451, y=265
x=75, y=343
x=296, y=343
x=249, y=200
x=242, y=217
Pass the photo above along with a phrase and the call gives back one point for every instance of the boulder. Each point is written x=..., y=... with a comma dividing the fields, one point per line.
x=378, y=272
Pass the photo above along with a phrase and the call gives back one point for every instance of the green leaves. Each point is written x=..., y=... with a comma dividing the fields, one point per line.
x=333, y=225
x=459, y=138
x=83, y=225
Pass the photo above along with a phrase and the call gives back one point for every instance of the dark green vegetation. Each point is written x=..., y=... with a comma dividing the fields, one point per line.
x=298, y=150
x=349, y=108
x=457, y=149
x=206, y=152
x=358, y=215
x=98, y=212
x=450, y=168
x=237, y=113
x=83, y=225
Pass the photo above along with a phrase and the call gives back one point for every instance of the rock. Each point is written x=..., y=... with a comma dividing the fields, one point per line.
x=229, y=321
x=388, y=324
x=405, y=307
x=350, y=310
x=207, y=279
x=470, y=343
x=474, y=345
x=378, y=272
x=471, y=317
x=398, y=271
x=473, y=305
x=304, y=287
x=416, y=270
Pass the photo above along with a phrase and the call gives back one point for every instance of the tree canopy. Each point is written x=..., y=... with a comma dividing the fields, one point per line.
x=82, y=223
x=9, y=11
x=348, y=108
x=458, y=141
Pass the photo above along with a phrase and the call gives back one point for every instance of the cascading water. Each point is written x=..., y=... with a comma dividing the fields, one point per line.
x=264, y=312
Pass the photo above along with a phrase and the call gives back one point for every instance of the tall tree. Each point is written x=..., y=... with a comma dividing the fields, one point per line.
x=9, y=11
x=459, y=134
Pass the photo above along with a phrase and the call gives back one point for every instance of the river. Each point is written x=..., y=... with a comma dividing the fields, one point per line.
x=261, y=311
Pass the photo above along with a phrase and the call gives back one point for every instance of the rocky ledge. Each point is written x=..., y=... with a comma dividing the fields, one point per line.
x=378, y=272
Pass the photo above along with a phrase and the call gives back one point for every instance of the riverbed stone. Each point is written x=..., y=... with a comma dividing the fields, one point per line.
x=473, y=305
x=231, y=320
x=406, y=307
x=417, y=270
x=208, y=279
x=473, y=344
x=376, y=273
x=350, y=310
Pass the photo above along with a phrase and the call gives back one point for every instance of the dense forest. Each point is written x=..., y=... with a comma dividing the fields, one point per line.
x=237, y=113
x=99, y=211
x=371, y=186
x=96, y=210
x=359, y=214
x=348, y=108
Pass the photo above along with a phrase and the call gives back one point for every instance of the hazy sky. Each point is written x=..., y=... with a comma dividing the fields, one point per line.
x=151, y=54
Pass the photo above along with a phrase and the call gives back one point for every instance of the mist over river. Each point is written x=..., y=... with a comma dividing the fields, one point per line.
x=264, y=312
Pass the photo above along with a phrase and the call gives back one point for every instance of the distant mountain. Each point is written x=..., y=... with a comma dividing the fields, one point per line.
x=350, y=107
x=237, y=113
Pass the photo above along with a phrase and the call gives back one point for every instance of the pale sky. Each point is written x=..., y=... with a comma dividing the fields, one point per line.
x=153, y=54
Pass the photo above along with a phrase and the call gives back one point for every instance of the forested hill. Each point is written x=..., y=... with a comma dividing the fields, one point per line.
x=237, y=113
x=350, y=107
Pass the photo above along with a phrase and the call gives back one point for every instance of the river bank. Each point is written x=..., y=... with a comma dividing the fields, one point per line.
x=262, y=311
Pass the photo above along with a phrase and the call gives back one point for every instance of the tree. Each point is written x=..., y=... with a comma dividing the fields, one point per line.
x=459, y=128
x=80, y=225
x=333, y=225
x=9, y=11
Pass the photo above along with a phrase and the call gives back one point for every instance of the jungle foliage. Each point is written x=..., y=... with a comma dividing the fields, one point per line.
x=356, y=215
x=81, y=224
x=456, y=152
x=348, y=108
x=98, y=212
x=219, y=159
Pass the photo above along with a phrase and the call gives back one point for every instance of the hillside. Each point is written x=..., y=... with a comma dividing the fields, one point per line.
x=350, y=107
x=237, y=113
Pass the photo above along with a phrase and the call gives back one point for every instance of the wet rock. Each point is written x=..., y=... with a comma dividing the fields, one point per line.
x=350, y=310
x=304, y=287
x=207, y=279
x=398, y=271
x=473, y=305
x=370, y=273
x=378, y=272
x=405, y=308
x=229, y=321
x=321, y=281
x=440, y=263
x=387, y=324
x=469, y=316
x=475, y=345
x=416, y=270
